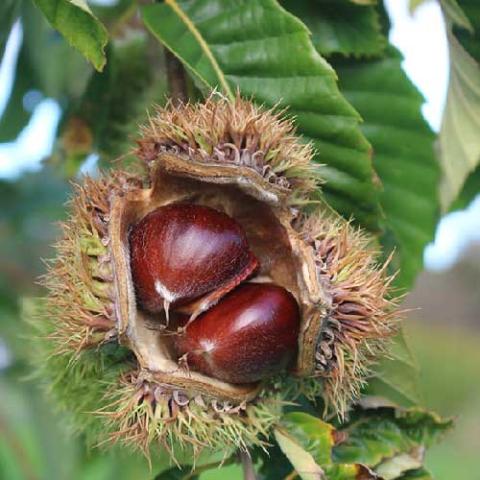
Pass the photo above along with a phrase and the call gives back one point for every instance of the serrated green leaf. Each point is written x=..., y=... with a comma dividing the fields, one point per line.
x=459, y=142
x=267, y=53
x=75, y=21
x=315, y=435
x=301, y=460
x=317, y=439
x=340, y=26
x=471, y=188
x=403, y=156
x=396, y=377
x=60, y=72
x=403, y=150
x=410, y=207
x=377, y=436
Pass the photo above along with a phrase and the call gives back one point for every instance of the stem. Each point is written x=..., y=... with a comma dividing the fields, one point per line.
x=248, y=470
x=176, y=78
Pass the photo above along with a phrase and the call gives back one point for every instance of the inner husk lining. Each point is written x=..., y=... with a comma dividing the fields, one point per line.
x=284, y=258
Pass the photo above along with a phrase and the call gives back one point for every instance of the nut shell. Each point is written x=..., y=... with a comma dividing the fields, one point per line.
x=250, y=335
x=181, y=251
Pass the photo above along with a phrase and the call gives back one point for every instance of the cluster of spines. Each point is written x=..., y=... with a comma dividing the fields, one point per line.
x=361, y=314
x=79, y=315
x=78, y=296
x=222, y=132
x=79, y=279
x=141, y=414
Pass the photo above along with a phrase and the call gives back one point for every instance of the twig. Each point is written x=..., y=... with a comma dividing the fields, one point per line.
x=248, y=470
x=176, y=78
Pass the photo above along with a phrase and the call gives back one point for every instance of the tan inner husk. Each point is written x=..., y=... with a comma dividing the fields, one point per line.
x=285, y=258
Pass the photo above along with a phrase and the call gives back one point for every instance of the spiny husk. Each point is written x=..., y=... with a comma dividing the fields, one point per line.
x=80, y=278
x=238, y=133
x=107, y=397
x=104, y=360
x=140, y=411
x=361, y=315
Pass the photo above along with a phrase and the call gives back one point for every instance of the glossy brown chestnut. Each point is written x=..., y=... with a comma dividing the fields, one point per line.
x=251, y=334
x=180, y=252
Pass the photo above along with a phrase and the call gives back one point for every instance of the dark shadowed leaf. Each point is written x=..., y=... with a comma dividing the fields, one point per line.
x=471, y=188
x=340, y=26
x=389, y=440
x=8, y=15
x=115, y=102
x=403, y=156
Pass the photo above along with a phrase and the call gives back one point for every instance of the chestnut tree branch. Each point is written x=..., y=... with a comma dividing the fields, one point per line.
x=248, y=470
x=177, y=81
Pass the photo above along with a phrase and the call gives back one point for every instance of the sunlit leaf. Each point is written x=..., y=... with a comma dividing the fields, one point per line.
x=75, y=21
x=266, y=52
x=459, y=142
x=302, y=461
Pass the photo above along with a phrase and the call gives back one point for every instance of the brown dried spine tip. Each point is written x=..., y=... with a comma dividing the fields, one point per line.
x=180, y=252
x=239, y=134
x=360, y=317
x=250, y=335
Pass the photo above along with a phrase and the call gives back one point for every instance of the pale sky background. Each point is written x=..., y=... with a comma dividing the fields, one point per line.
x=420, y=37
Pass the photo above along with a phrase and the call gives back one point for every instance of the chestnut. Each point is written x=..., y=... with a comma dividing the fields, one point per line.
x=181, y=251
x=251, y=334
